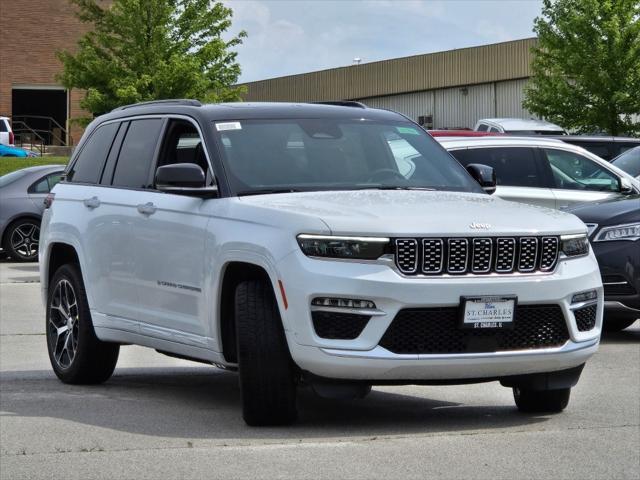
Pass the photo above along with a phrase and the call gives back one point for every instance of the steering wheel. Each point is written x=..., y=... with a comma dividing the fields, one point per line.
x=382, y=173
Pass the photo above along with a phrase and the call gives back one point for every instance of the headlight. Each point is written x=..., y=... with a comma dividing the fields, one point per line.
x=358, y=248
x=574, y=245
x=630, y=231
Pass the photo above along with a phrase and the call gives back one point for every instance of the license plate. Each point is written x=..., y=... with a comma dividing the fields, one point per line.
x=488, y=312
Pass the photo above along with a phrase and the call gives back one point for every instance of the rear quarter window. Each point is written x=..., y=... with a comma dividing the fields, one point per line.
x=88, y=165
x=3, y=126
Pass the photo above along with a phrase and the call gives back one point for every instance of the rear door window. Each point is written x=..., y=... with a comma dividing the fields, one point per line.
x=136, y=154
x=574, y=172
x=483, y=128
x=88, y=165
x=514, y=166
x=44, y=185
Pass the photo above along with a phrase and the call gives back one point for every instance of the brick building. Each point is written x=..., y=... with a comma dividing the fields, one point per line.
x=31, y=32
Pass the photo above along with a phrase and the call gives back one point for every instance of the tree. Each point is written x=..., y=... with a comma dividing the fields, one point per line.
x=138, y=50
x=586, y=66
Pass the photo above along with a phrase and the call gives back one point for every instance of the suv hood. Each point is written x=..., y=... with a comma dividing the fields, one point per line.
x=418, y=213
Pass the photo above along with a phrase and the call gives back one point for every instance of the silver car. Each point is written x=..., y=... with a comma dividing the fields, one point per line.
x=543, y=171
x=22, y=195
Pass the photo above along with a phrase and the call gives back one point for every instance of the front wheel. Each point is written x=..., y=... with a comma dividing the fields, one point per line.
x=267, y=373
x=76, y=354
x=541, y=401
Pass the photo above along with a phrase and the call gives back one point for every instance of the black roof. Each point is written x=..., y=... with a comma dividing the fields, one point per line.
x=252, y=110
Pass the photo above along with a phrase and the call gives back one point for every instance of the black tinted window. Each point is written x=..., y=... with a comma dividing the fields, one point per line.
x=514, y=166
x=483, y=128
x=3, y=126
x=136, y=154
x=88, y=166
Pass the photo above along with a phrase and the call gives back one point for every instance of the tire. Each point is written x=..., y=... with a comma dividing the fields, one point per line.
x=616, y=324
x=541, y=401
x=78, y=357
x=267, y=373
x=22, y=240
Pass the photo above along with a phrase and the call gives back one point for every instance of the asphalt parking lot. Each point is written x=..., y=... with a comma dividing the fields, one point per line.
x=164, y=418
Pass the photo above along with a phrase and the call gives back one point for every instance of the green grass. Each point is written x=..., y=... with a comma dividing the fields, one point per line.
x=9, y=164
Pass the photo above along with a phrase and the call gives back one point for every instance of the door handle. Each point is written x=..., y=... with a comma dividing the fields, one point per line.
x=147, y=208
x=91, y=203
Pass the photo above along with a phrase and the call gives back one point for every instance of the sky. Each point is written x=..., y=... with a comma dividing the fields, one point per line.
x=287, y=37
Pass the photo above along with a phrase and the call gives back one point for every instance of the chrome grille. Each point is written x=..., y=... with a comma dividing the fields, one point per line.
x=482, y=253
x=505, y=255
x=458, y=253
x=431, y=256
x=407, y=255
x=548, y=253
x=528, y=254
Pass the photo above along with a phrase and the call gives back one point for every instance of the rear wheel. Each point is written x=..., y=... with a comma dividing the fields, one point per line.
x=541, y=401
x=76, y=354
x=616, y=324
x=267, y=373
x=22, y=240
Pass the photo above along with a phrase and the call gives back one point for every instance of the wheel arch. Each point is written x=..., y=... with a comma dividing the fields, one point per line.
x=232, y=274
x=58, y=254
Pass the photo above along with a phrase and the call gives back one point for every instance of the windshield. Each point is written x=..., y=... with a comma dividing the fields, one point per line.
x=629, y=161
x=262, y=156
x=12, y=177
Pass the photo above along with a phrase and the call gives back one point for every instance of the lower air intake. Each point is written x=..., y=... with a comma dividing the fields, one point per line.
x=437, y=331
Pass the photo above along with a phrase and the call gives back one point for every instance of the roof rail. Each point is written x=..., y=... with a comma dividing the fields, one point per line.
x=342, y=103
x=179, y=101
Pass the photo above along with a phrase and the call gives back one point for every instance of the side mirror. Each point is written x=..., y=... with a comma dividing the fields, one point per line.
x=626, y=186
x=184, y=179
x=484, y=175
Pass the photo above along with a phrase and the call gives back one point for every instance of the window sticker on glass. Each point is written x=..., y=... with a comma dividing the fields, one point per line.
x=221, y=127
x=407, y=130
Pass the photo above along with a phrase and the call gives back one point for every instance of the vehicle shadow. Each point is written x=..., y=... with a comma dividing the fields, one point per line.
x=628, y=335
x=203, y=403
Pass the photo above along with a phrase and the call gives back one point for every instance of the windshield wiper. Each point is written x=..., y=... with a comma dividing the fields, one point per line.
x=267, y=191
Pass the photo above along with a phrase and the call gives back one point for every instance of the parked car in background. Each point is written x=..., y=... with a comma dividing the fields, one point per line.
x=8, y=151
x=614, y=231
x=6, y=132
x=629, y=161
x=543, y=171
x=518, y=126
x=23, y=193
x=602, y=146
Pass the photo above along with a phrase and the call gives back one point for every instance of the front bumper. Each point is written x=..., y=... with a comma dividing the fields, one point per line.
x=620, y=268
x=362, y=358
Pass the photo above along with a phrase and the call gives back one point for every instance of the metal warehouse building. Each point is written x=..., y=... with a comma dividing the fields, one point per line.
x=451, y=89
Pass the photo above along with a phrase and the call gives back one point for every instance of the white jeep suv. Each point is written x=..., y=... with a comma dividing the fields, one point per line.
x=288, y=242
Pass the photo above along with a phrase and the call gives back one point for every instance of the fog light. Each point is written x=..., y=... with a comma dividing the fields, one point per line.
x=342, y=303
x=584, y=296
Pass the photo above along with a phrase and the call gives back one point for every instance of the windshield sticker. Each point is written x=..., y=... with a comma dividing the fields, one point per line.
x=407, y=130
x=221, y=127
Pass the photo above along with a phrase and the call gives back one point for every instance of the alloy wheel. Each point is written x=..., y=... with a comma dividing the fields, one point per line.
x=25, y=239
x=63, y=324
